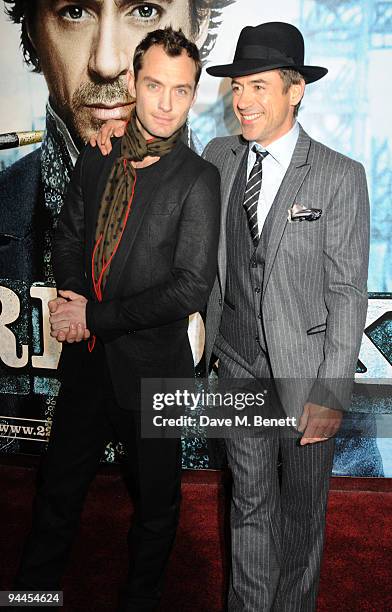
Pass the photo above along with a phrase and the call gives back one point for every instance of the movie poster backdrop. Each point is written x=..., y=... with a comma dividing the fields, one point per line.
x=79, y=48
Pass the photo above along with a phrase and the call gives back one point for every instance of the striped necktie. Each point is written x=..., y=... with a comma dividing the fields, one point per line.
x=252, y=193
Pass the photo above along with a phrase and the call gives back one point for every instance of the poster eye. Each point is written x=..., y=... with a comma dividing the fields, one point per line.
x=74, y=12
x=146, y=12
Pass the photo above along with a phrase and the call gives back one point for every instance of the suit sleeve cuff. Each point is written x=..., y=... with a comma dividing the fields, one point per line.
x=331, y=393
x=91, y=312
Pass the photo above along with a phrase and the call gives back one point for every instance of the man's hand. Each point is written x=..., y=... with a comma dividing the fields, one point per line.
x=68, y=317
x=318, y=423
x=61, y=336
x=113, y=127
x=53, y=304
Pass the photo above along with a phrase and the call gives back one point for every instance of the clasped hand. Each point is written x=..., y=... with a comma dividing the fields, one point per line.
x=68, y=317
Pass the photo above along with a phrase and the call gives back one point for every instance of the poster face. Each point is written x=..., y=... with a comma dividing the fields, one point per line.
x=80, y=53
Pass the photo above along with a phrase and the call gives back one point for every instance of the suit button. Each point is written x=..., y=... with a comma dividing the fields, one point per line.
x=220, y=302
x=259, y=316
x=257, y=338
x=257, y=289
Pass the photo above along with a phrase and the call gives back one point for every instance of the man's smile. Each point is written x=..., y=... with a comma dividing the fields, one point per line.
x=161, y=119
x=246, y=119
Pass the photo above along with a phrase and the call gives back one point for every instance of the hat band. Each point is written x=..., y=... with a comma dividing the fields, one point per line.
x=262, y=53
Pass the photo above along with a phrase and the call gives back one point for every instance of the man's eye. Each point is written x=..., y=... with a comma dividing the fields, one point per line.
x=74, y=13
x=146, y=12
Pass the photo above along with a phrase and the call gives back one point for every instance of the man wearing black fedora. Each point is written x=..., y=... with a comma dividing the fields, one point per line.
x=289, y=304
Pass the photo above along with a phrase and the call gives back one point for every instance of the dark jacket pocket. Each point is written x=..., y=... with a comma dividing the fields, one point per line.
x=162, y=208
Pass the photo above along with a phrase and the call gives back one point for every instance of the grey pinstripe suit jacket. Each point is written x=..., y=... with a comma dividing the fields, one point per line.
x=314, y=299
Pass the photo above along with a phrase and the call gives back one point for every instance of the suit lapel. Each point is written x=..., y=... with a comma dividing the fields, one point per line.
x=285, y=198
x=139, y=209
x=228, y=174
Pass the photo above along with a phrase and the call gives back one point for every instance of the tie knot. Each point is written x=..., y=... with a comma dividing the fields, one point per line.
x=260, y=155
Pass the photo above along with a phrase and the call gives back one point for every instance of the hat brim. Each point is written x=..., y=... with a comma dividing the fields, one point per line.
x=249, y=66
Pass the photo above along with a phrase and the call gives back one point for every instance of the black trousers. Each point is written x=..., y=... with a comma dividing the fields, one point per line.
x=85, y=418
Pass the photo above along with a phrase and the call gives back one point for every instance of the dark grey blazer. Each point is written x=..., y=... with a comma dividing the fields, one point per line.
x=162, y=272
x=314, y=300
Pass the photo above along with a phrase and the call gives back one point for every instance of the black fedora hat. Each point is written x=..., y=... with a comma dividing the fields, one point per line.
x=267, y=47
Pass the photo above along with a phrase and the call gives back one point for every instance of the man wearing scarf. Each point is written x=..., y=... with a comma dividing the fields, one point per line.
x=134, y=256
x=32, y=190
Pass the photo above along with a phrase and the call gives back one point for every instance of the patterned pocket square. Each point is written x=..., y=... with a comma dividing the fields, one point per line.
x=298, y=212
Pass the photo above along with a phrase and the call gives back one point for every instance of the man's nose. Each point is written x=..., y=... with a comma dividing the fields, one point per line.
x=165, y=100
x=245, y=99
x=108, y=57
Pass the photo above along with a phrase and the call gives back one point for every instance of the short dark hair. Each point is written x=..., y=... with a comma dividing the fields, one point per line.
x=291, y=77
x=174, y=43
x=24, y=12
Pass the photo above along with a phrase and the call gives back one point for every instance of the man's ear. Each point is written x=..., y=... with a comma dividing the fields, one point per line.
x=297, y=92
x=203, y=28
x=131, y=83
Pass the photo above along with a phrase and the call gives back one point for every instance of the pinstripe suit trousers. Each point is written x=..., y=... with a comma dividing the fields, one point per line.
x=277, y=525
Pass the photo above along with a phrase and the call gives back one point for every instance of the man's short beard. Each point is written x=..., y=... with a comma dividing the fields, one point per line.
x=80, y=121
x=152, y=134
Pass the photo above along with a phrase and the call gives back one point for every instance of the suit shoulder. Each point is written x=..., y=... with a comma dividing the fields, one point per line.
x=217, y=149
x=198, y=164
x=336, y=161
x=222, y=143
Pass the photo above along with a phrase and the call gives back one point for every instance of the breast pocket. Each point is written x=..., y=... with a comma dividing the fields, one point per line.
x=162, y=207
x=303, y=236
x=162, y=237
x=304, y=226
x=162, y=222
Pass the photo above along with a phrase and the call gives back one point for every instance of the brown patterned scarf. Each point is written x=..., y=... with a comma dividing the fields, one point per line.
x=117, y=198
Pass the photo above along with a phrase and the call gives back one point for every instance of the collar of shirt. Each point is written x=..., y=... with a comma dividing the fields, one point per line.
x=274, y=168
x=281, y=150
x=63, y=130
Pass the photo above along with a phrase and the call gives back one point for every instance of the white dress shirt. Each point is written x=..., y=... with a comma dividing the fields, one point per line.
x=274, y=168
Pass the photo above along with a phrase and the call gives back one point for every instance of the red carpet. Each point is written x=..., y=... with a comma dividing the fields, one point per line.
x=357, y=568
